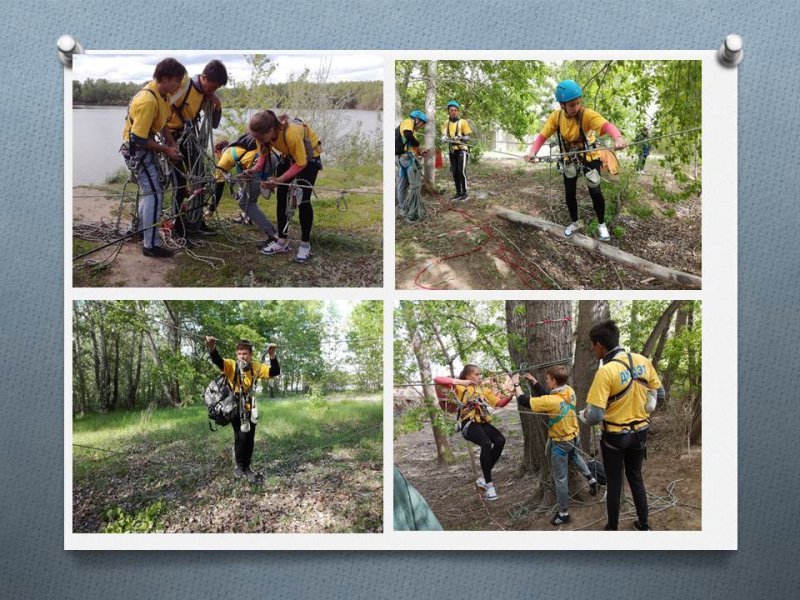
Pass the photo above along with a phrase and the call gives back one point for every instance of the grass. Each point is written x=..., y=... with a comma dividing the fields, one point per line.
x=165, y=471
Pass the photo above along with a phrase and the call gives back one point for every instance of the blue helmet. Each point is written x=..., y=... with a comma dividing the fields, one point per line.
x=568, y=90
x=453, y=103
x=418, y=114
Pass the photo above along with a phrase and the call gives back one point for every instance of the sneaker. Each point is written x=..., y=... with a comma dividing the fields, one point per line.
x=560, y=519
x=610, y=527
x=481, y=483
x=639, y=527
x=157, y=252
x=252, y=476
x=242, y=219
x=261, y=244
x=571, y=228
x=455, y=197
x=491, y=492
x=593, y=486
x=238, y=472
x=303, y=254
x=275, y=247
x=463, y=197
x=602, y=233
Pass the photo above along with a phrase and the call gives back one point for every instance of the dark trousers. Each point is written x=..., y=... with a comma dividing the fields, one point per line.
x=243, y=442
x=571, y=192
x=458, y=165
x=625, y=451
x=491, y=442
x=308, y=176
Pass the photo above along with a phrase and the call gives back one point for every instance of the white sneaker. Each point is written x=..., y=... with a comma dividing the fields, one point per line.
x=481, y=482
x=303, y=254
x=275, y=247
x=602, y=232
x=491, y=492
x=572, y=228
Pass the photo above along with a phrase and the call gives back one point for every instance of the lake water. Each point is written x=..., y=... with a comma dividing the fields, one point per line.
x=97, y=135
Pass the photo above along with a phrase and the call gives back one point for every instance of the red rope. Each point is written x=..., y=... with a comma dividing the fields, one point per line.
x=563, y=320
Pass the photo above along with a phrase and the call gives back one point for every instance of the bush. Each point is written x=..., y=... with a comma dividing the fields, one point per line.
x=145, y=521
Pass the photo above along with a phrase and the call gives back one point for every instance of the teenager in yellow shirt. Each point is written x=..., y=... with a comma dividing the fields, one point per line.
x=457, y=129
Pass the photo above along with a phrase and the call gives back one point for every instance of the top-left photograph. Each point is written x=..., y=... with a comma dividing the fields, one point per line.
x=227, y=170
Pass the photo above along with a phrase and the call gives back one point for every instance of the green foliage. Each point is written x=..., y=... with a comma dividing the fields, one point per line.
x=144, y=521
x=104, y=92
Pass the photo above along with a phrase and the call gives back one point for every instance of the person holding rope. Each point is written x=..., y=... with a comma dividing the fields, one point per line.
x=624, y=392
x=300, y=151
x=148, y=113
x=232, y=159
x=474, y=421
x=242, y=374
x=406, y=148
x=455, y=130
x=563, y=432
x=575, y=126
x=187, y=104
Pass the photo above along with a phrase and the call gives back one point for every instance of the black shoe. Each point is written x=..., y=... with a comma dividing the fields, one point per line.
x=560, y=519
x=456, y=196
x=238, y=472
x=640, y=527
x=610, y=527
x=157, y=252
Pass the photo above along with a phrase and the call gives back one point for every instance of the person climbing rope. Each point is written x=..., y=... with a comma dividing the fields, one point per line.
x=406, y=148
x=187, y=104
x=563, y=432
x=474, y=400
x=300, y=162
x=242, y=375
x=624, y=392
x=575, y=126
x=148, y=112
x=458, y=129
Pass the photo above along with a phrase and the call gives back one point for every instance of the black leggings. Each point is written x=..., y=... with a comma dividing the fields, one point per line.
x=626, y=450
x=304, y=208
x=458, y=164
x=491, y=442
x=571, y=192
x=243, y=442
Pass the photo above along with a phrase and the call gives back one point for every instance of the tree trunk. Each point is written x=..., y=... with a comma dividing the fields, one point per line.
x=696, y=431
x=96, y=361
x=444, y=454
x=533, y=345
x=686, y=280
x=174, y=340
x=430, y=130
x=661, y=325
x=78, y=368
x=134, y=383
x=156, y=358
x=585, y=365
x=672, y=366
x=115, y=394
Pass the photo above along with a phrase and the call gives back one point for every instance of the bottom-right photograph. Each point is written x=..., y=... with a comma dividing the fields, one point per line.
x=547, y=415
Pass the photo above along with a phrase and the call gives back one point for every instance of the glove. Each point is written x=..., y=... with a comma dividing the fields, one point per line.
x=458, y=138
x=650, y=404
x=582, y=416
x=444, y=139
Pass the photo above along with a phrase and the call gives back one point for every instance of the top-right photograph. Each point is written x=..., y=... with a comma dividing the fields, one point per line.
x=518, y=174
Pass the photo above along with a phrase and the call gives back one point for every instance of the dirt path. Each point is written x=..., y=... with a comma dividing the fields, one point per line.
x=131, y=268
x=495, y=254
x=453, y=498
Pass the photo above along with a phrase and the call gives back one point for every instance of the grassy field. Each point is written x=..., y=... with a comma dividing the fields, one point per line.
x=164, y=471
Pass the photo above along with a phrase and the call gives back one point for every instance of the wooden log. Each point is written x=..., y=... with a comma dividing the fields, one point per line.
x=610, y=252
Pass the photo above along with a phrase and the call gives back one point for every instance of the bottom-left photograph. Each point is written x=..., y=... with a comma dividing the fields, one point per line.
x=226, y=417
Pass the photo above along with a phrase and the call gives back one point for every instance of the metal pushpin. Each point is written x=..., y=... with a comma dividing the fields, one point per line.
x=731, y=51
x=67, y=46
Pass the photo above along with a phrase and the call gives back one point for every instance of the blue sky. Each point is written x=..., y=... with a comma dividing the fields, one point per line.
x=138, y=67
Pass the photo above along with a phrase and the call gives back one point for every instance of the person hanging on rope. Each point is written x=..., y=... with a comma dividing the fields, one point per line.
x=458, y=130
x=563, y=432
x=299, y=164
x=406, y=148
x=575, y=126
x=624, y=392
x=474, y=421
x=242, y=375
x=147, y=116
x=196, y=94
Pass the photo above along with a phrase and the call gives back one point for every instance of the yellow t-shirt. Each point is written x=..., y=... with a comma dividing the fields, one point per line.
x=227, y=163
x=291, y=143
x=560, y=400
x=186, y=103
x=473, y=400
x=570, y=130
x=408, y=125
x=451, y=130
x=148, y=112
x=260, y=370
x=611, y=379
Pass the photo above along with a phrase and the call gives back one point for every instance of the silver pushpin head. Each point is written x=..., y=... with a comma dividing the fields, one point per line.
x=67, y=47
x=731, y=51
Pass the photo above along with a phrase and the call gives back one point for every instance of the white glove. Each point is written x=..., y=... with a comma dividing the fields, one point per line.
x=444, y=139
x=652, y=399
x=582, y=416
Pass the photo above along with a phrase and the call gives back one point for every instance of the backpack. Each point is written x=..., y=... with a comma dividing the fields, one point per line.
x=220, y=401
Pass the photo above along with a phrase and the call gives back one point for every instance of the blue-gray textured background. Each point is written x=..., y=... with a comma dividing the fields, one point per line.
x=32, y=562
